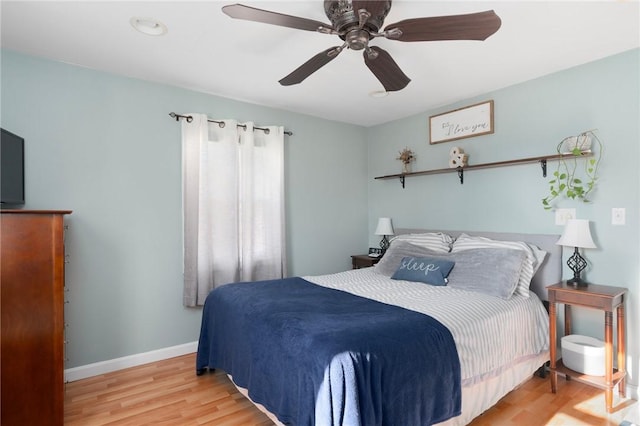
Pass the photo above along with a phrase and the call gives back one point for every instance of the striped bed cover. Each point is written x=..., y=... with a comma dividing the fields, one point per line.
x=490, y=333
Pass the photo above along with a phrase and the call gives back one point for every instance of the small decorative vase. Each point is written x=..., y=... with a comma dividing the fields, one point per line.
x=406, y=168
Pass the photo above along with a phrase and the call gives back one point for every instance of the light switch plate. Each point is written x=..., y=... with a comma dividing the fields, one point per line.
x=618, y=216
x=563, y=215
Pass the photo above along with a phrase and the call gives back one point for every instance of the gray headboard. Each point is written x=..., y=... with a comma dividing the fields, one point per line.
x=549, y=273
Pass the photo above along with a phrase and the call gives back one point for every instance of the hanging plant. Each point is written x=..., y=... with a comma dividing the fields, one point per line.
x=407, y=157
x=567, y=180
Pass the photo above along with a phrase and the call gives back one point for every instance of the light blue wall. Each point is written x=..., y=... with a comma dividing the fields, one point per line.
x=105, y=147
x=530, y=119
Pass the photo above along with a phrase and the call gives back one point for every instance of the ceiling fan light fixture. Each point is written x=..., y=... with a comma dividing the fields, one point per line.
x=148, y=26
x=357, y=39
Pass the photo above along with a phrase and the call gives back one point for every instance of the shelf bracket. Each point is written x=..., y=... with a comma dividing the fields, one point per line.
x=402, y=181
x=543, y=164
x=461, y=175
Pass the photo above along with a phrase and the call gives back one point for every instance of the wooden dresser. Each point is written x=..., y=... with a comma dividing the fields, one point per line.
x=32, y=314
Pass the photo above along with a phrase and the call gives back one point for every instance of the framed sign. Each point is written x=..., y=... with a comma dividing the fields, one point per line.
x=467, y=122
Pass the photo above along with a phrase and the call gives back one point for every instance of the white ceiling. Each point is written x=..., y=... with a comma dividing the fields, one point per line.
x=207, y=51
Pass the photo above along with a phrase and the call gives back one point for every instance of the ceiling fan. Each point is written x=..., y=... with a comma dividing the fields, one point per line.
x=358, y=22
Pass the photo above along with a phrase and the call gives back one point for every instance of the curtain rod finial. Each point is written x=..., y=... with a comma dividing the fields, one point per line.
x=178, y=117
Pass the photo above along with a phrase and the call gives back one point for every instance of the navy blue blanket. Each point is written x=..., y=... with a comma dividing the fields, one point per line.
x=317, y=356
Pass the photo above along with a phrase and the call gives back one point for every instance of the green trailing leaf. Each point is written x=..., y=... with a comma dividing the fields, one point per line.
x=568, y=179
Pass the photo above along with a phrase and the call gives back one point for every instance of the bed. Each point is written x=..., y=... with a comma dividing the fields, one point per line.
x=384, y=345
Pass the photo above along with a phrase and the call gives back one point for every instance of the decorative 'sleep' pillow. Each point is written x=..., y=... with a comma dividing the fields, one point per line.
x=534, y=256
x=492, y=271
x=428, y=270
x=436, y=241
x=397, y=250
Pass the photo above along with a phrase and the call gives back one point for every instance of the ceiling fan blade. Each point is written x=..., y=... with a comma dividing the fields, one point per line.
x=239, y=11
x=473, y=26
x=386, y=70
x=311, y=66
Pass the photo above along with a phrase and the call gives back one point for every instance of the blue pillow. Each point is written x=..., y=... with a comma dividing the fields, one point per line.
x=428, y=270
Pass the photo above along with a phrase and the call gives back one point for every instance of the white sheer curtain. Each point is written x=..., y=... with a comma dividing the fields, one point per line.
x=233, y=205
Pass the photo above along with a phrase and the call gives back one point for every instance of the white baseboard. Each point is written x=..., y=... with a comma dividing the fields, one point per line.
x=95, y=369
x=103, y=367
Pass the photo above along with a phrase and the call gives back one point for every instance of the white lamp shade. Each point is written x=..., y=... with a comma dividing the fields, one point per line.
x=384, y=226
x=576, y=234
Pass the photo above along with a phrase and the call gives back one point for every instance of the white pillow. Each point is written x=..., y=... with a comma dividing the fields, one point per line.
x=436, y=241
x=534, y=259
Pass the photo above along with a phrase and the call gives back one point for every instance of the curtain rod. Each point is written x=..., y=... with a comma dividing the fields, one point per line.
x=222, y=123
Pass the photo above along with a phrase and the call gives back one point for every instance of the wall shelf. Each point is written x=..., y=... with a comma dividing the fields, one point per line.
x=460, y=170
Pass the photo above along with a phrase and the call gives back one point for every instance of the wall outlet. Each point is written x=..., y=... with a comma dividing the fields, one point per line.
x=563, y=215
x=618, y=216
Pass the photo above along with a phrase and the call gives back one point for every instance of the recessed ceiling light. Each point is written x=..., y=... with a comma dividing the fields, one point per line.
x=148, y=26
x=378, y=93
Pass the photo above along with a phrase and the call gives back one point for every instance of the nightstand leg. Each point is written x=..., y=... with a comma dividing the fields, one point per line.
x=608, y=356
x=567, y=320
x=622, y=388
x=552, y=345
x=567, y=327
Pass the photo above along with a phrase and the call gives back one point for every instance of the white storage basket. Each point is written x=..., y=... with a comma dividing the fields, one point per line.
x=583, y=354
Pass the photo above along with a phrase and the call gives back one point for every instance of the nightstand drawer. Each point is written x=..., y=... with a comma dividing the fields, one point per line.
x=595, y=296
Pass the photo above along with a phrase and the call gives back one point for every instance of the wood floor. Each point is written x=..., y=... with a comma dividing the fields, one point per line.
x=169, y=393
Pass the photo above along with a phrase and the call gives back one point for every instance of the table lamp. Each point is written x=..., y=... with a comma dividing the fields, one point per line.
x=576, y=234
x=384, y=228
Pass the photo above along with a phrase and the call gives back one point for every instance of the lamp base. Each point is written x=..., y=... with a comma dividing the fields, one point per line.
x=577, y=282
x=384, y=244
x=577, y=264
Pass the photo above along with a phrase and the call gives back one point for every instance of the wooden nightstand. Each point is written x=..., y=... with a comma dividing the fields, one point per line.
x=363, y=261
x=607, y=299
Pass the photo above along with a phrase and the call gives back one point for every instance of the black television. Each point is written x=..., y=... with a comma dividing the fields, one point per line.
x=11, y=169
